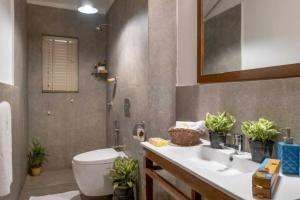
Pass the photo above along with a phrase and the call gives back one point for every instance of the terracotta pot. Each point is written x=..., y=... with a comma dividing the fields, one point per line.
x=36, y=171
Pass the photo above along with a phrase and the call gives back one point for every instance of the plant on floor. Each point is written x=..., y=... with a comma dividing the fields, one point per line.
x=124, y=175
x=37, y=156
x=218, y=126
x=261, y=134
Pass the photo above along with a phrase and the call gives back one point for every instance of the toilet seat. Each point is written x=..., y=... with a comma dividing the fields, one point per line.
x=101, y=156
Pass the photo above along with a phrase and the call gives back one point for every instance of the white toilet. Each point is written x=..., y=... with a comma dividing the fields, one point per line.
x=91, y=171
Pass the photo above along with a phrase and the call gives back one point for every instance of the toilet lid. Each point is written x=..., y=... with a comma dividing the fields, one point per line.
x=97, y=157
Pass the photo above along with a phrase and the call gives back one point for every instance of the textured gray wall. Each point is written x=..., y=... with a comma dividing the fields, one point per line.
x=142, y=53
x=223, y=50
x=77, y=127
x=276, y=99
x=16, y=96
x=128, y=59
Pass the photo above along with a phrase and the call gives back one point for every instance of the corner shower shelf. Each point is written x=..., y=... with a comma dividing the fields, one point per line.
x=103, y=73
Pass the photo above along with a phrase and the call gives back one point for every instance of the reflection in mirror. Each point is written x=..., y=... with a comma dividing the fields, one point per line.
x=250, y=34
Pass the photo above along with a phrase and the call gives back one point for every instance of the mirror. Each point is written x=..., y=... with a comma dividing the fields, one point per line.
x=241, y=37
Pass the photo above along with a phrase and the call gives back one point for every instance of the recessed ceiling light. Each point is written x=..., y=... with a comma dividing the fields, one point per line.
x=87, y=9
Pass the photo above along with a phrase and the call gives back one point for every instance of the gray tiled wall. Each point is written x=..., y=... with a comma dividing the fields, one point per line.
x=276, y=99
x=76, y=127
x=142, y=53
x=16, y=95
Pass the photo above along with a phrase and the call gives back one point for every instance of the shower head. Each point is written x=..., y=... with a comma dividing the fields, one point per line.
x=101, y=27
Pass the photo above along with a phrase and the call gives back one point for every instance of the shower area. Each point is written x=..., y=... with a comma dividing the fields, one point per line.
x=67, y=123
x=103, y=111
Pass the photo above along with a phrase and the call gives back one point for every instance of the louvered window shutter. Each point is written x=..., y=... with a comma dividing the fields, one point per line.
x=60, y=64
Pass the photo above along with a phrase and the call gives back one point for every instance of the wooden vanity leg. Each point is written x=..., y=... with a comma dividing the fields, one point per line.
x=149, y=181
x=196, y=195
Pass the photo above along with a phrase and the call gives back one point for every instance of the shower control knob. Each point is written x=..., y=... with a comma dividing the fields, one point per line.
x=49, y=113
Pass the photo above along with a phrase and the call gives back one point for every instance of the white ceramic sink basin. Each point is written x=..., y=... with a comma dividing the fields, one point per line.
x=215, y=160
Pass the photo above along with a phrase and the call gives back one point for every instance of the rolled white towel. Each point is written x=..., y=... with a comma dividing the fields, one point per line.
x=198, y=126
x=184, y=124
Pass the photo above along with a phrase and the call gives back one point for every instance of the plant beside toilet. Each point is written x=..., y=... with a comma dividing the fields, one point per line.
x=124, y=176
x=37, y=156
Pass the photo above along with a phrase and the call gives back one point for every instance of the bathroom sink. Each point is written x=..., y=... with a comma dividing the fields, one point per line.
x=215, y=168
x=216, y=160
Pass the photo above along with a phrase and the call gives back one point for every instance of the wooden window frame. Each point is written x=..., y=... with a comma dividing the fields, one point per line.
x=274, y=72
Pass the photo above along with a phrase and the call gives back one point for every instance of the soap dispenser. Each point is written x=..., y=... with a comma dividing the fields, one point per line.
x=288, y=153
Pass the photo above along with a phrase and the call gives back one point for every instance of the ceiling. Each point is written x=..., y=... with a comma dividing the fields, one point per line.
x=208, y=5
x=215, y=7
x=102, y=5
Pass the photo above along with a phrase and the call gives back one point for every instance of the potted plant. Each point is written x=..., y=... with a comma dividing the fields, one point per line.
x=218, y=126
x=37, y=156
x=124, y=174
x=261, y=134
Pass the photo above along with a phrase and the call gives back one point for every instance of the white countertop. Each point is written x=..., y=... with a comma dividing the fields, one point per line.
x=237, y=186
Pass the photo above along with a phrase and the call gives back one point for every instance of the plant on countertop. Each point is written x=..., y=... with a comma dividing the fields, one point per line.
x=37, y=156
x=262, y=130
x=124, y=175
x=220, y=123
x=261, y=134
x=218, y=126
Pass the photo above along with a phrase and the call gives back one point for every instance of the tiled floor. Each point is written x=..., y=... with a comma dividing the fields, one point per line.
x=50, y=182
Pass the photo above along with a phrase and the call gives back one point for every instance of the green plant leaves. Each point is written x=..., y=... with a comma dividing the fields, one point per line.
x=124, y=172
x=37, y=155
x=220, y=123
x=262, y=130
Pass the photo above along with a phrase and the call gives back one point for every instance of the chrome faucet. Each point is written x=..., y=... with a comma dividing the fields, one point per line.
x=238, y=140
x=235, y=143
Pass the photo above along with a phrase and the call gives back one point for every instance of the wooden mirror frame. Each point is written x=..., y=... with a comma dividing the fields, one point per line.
x=281, y=71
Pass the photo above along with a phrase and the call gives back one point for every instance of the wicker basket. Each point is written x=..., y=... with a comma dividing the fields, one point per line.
x=185, y=137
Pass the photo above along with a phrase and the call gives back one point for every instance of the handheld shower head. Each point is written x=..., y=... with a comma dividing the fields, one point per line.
x=114, y=81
